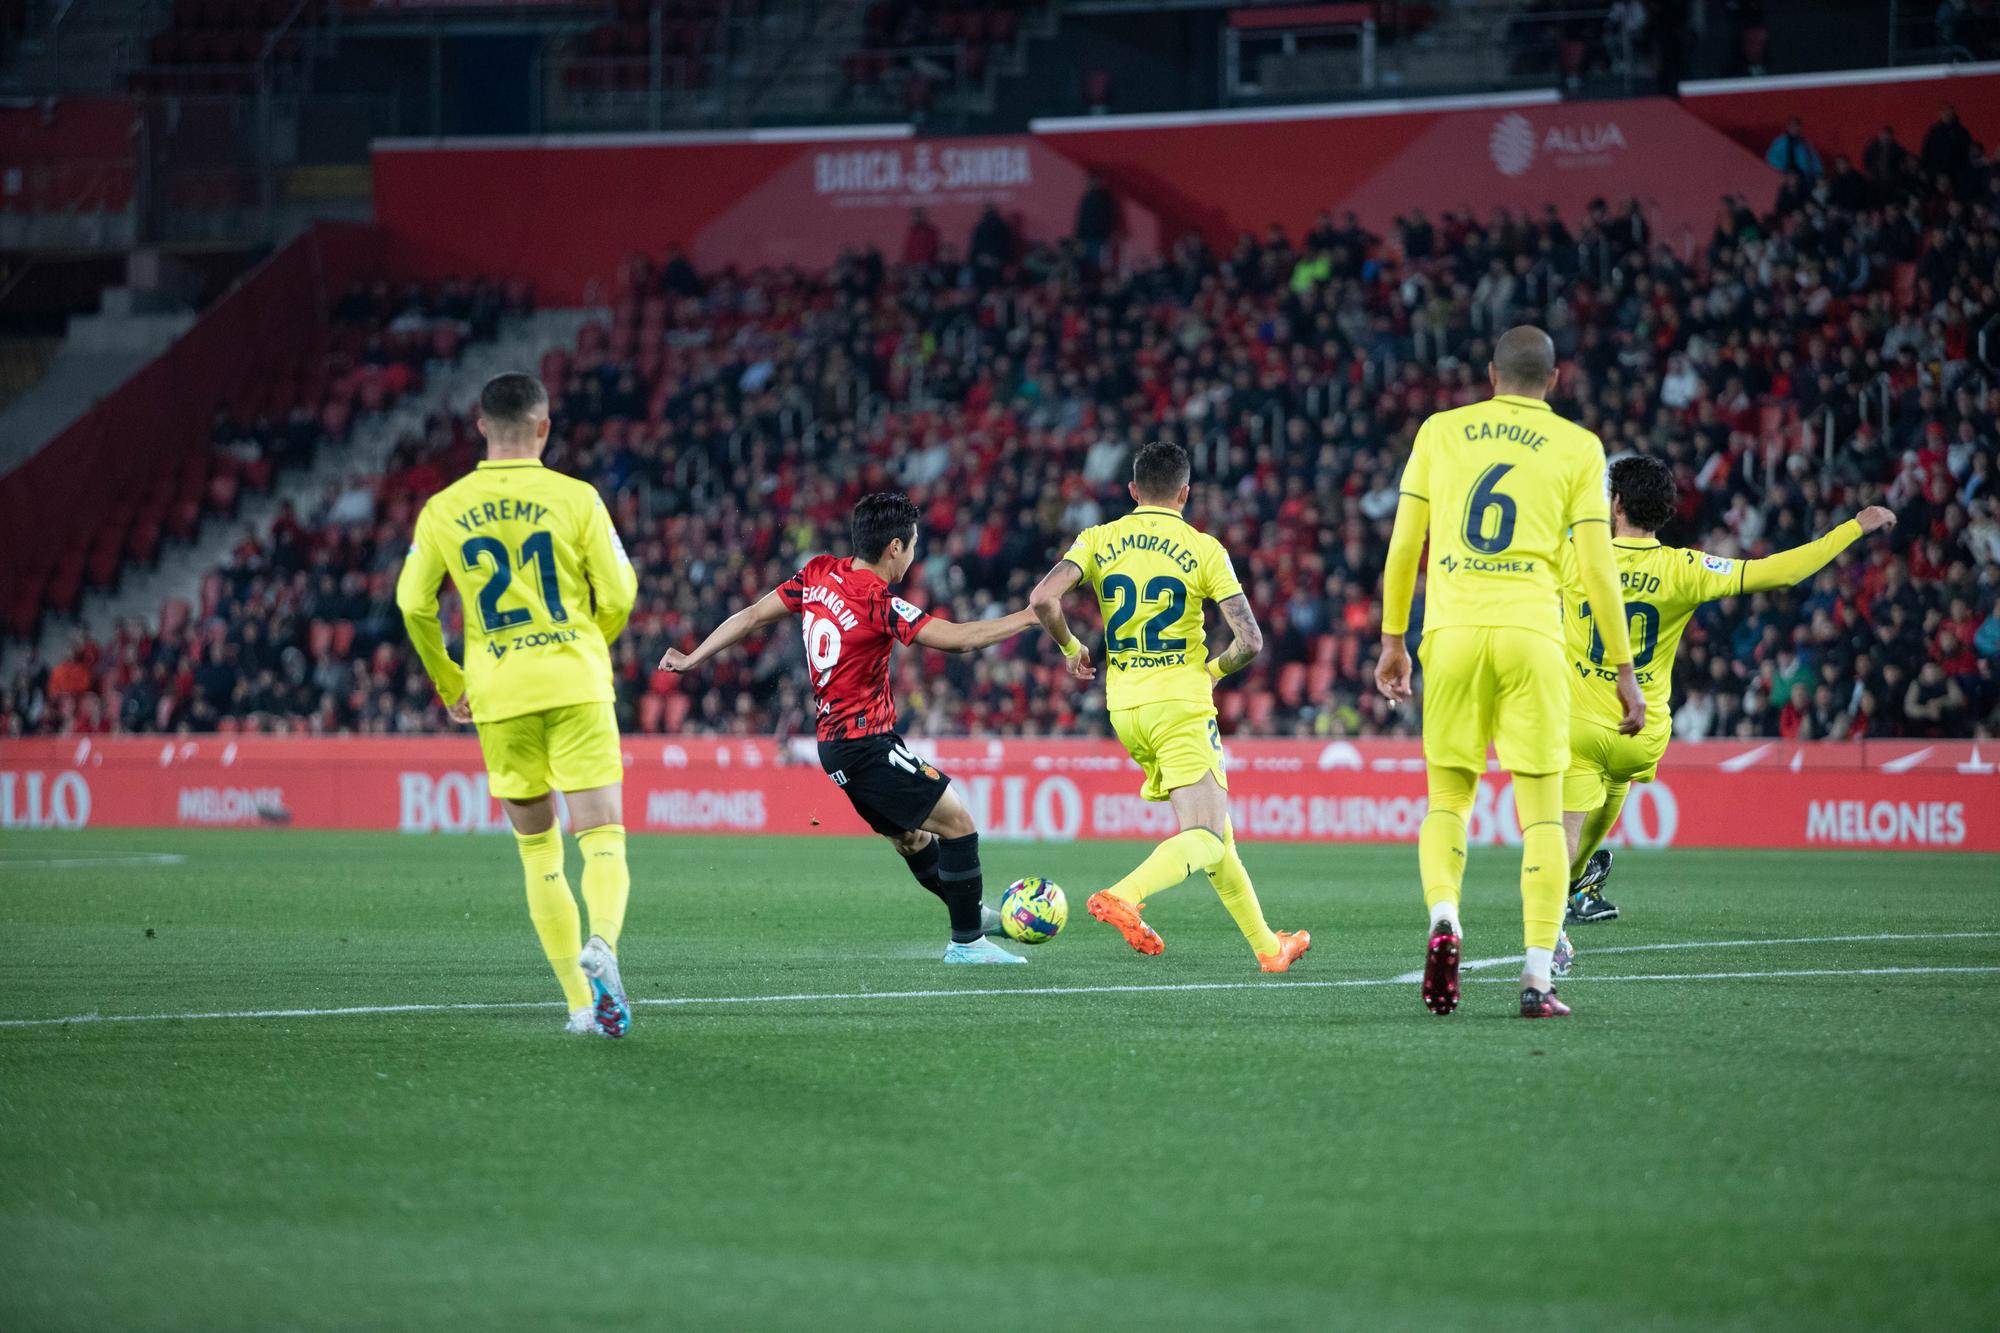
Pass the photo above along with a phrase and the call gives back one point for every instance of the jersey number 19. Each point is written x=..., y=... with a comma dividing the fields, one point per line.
x=822, y=645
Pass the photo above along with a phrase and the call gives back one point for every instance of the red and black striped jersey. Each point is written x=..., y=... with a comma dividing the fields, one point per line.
x=851, y=622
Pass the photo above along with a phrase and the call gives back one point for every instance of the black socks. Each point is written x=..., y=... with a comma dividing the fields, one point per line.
x=959, y=883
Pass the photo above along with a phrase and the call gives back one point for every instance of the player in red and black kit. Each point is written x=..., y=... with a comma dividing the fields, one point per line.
x=851, y=622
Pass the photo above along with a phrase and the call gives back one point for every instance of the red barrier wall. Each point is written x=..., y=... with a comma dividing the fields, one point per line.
x=1843, y=112
x=77, y=153
x=1902, y=794
x=566, y=212
x=1227, y=177
x=259, y=330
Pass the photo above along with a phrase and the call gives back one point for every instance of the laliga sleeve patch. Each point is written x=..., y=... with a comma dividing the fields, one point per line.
x=1716, y=564
x=904, y=609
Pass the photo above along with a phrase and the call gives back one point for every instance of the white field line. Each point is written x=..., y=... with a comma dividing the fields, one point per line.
x=1480, y=964
x=108, y=859
x=1750, y=976
x=828, y=997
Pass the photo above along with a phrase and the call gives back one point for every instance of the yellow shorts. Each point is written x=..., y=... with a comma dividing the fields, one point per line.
x=1504, y=686
x=1175, y=742
x=574, y=748
x=1598, y=754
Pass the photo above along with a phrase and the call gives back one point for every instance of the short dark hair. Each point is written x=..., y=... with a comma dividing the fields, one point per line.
x=1644, y=488
x=509, y=399
x=1524, y=358
x=880, y=519
x=1160, y=469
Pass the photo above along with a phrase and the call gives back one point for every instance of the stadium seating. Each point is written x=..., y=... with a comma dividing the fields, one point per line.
x=215, y=46
x=731, y=420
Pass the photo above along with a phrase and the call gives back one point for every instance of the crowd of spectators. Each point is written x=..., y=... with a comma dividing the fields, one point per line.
x=1813, y=356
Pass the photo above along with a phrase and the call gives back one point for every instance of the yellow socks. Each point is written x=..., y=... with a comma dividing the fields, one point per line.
x=1232, y=885
x=1441, y=841
x=1544, y=863
x=1597, y=825
x=607, y=883
x=1171, y=862
x=553, y=911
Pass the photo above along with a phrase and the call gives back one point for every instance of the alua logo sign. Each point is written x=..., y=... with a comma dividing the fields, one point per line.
x=1514, y=144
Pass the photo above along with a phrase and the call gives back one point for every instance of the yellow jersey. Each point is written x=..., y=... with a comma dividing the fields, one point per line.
x=1151, y=571
x=544, y=580
x=1505, y=479
x=1663, y=585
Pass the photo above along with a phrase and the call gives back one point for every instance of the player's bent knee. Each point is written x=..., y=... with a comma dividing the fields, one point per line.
x=1451, y=790
x=592, y=806
x=949, y=818
x=911, y=841
x=537, y=814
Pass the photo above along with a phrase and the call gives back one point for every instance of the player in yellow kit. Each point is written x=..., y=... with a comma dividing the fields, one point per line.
x=1152, y=571
x=1663, y=586
x=546, y=586
x=1495, y=486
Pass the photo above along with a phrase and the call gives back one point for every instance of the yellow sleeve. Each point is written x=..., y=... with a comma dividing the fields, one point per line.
x=614, y=584
x=1597, y=570
x=1406, y=539
x=417, y=599
x=1417, y=472
x=1801, y=562
x=1406, y=551
x=1588, y=500
x=1082, y=554
x=1218, y=574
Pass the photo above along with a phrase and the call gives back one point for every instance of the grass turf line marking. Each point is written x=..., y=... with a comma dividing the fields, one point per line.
x=484, y=1006
x=1755, y=976
x=1480, y=964
x=85, y=862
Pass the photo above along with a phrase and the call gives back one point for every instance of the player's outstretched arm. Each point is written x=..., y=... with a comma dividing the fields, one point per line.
x=1597, y=568
x=1802, y=562
x=766, y=610
x=1399, y=586
x=969, y=636
x=614, y=584
x=1248, y=640
x=1046, y=604
x=417, y=599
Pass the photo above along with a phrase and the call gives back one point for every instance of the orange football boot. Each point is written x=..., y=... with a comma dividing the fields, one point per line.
x=1115, y=911
x=1291, y=945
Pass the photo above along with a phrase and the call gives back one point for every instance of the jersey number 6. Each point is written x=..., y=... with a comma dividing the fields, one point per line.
x=1483, y=500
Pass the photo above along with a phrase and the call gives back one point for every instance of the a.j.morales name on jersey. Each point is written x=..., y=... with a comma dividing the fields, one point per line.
x=1146, y=541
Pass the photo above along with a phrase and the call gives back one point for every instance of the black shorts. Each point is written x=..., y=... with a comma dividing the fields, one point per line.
x=891, y=788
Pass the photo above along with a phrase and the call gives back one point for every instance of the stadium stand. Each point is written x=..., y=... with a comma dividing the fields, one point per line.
x=216, y=46
x=1810, y=359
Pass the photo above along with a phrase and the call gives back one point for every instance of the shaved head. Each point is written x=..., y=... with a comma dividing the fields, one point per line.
x=1524, y=362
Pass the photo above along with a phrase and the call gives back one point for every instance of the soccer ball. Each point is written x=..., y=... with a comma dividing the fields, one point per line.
x=1033, y=910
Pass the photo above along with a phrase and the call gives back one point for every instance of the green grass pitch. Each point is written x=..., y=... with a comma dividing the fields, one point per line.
x=1715, y=1140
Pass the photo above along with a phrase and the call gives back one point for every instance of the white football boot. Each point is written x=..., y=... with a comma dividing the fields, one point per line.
x=600, y=965
x=979, y=951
